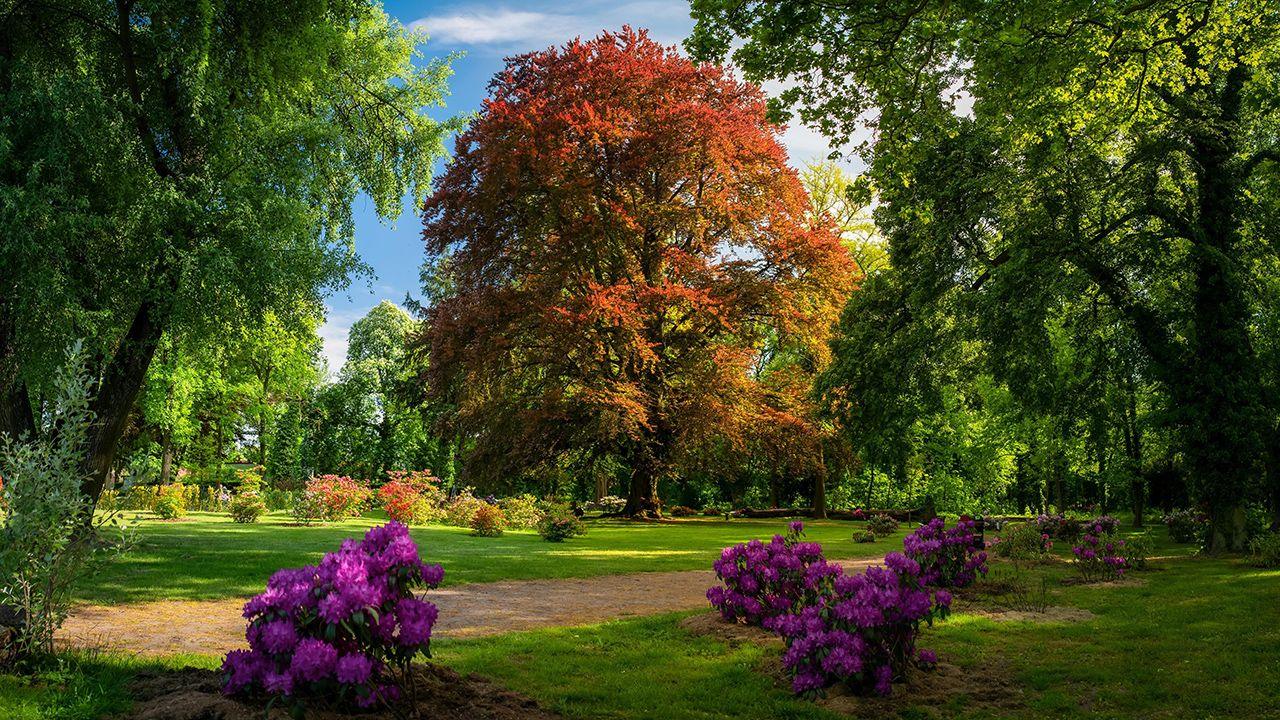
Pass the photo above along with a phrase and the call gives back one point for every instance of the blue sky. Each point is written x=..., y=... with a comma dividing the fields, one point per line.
x=488, y=32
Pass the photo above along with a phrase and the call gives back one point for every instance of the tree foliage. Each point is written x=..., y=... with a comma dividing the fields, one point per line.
x=622, y=239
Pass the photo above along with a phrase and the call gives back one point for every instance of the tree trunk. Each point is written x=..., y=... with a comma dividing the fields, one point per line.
x=642, y=497
x=820, y=487
x=121, y=383
x=166, y=461
x=16, y=418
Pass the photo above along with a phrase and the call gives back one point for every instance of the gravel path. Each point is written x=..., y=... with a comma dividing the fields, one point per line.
x=212, y=627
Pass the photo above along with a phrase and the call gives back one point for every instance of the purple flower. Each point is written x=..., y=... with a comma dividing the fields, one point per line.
x=278, y=683
x=416, y=620
x=278, y=636
x=927, y=658
x=313, y=660
x=355, y=669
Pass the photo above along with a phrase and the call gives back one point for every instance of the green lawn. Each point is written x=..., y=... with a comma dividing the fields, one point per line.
x=206, y=556
x=1198, y=639
x=1194, y=638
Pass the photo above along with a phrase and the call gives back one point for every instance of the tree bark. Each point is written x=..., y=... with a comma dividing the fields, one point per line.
x=820, y=487
x=121, y=383
x=642, y=497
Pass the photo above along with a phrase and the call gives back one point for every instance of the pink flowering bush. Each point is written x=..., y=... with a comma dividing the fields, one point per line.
x=763, y=581
x=948, y=557
x=1099, y=555
x=344, y=630
x=338, y=497
x=861, y=629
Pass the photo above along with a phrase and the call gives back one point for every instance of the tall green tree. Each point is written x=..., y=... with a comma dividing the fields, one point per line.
x=168, y=166
x=1129, y=146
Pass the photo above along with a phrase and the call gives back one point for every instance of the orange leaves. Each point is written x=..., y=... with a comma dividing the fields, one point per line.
x=622, y=236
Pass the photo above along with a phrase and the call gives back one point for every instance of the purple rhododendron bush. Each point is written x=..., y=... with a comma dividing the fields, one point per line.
x=765, y=580
x=343, y=631
x=859, y=630
x=862, y=629
x=948, y=557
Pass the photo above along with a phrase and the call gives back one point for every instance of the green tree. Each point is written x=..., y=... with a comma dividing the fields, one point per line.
x=173, y=167
x=1126, y=146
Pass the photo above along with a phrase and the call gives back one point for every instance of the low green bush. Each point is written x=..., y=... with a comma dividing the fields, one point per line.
x=559, y=523
x=170, y=506
x=1264, y=550
x=247, y=507
x=1137, y=549
x=1023, y=541
x=522, y=511
x=865, y=536
x=882, y=525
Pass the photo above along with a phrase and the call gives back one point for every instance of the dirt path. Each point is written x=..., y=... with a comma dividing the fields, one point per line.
x=215, y=626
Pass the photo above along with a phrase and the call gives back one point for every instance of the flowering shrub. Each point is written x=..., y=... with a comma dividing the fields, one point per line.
x=247, y=507
x=462, y=508
x=1109, y=524
x=1098, y=555
x=344, y=630
x=1023, y=541
x=171, y=503
x=882, y=525
x=522, y=511
x=765, y=580
x=861, y=629
x=608, y=504
x=1264, y=550
x=307, y=508
x=1186, y=525
x=339, y=497
x=864, y=537
x=947, y=557
x=488, y=521
x=558, y=523
x=1059, y=526
x=411, y=497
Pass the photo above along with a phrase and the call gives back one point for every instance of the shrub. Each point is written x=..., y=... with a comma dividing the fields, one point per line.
x=307, y=508
x=1023, y=541
x=246, y=507
x=488, y=521
x=345, y=630
x=1109, y=524
x=462, y=508
x=1136, y=550
x=608, y=504
x=411, y=497
x=861, y=629
x=46, y=545
x=1099, y=556
x=763, y=581
x=522, y=511
x=882, y=525
x=171, y=505
x=1264, y=550
x=682, y=511
x=1059, y=527
x=1186, y=526
x=948, y=557
x=865, y=536
x=339, y=496
x=558, y=523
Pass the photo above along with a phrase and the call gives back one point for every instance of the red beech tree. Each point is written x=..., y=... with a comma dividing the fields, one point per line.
x=615, y=244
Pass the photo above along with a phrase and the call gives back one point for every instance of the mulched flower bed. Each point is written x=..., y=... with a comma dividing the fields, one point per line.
x=443, y=694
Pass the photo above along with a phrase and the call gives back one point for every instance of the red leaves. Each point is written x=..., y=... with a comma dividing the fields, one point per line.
x=623, y=235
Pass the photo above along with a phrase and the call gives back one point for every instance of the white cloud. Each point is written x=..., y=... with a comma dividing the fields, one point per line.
x=511, y=30
x=333, y=335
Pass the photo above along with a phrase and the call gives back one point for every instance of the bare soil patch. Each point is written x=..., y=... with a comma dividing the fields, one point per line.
x=937, y=692
x=1051, y=614
x=1127, y=581
x=444, y=695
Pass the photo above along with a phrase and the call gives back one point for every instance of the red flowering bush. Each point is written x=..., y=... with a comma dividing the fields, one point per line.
x=343, y=631
x=763, y=581
x=338, y=497
x=411, y=496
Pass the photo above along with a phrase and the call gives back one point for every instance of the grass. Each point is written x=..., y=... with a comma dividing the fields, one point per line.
x=1200, y=638
x=206, y=556
x=1193, y=638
